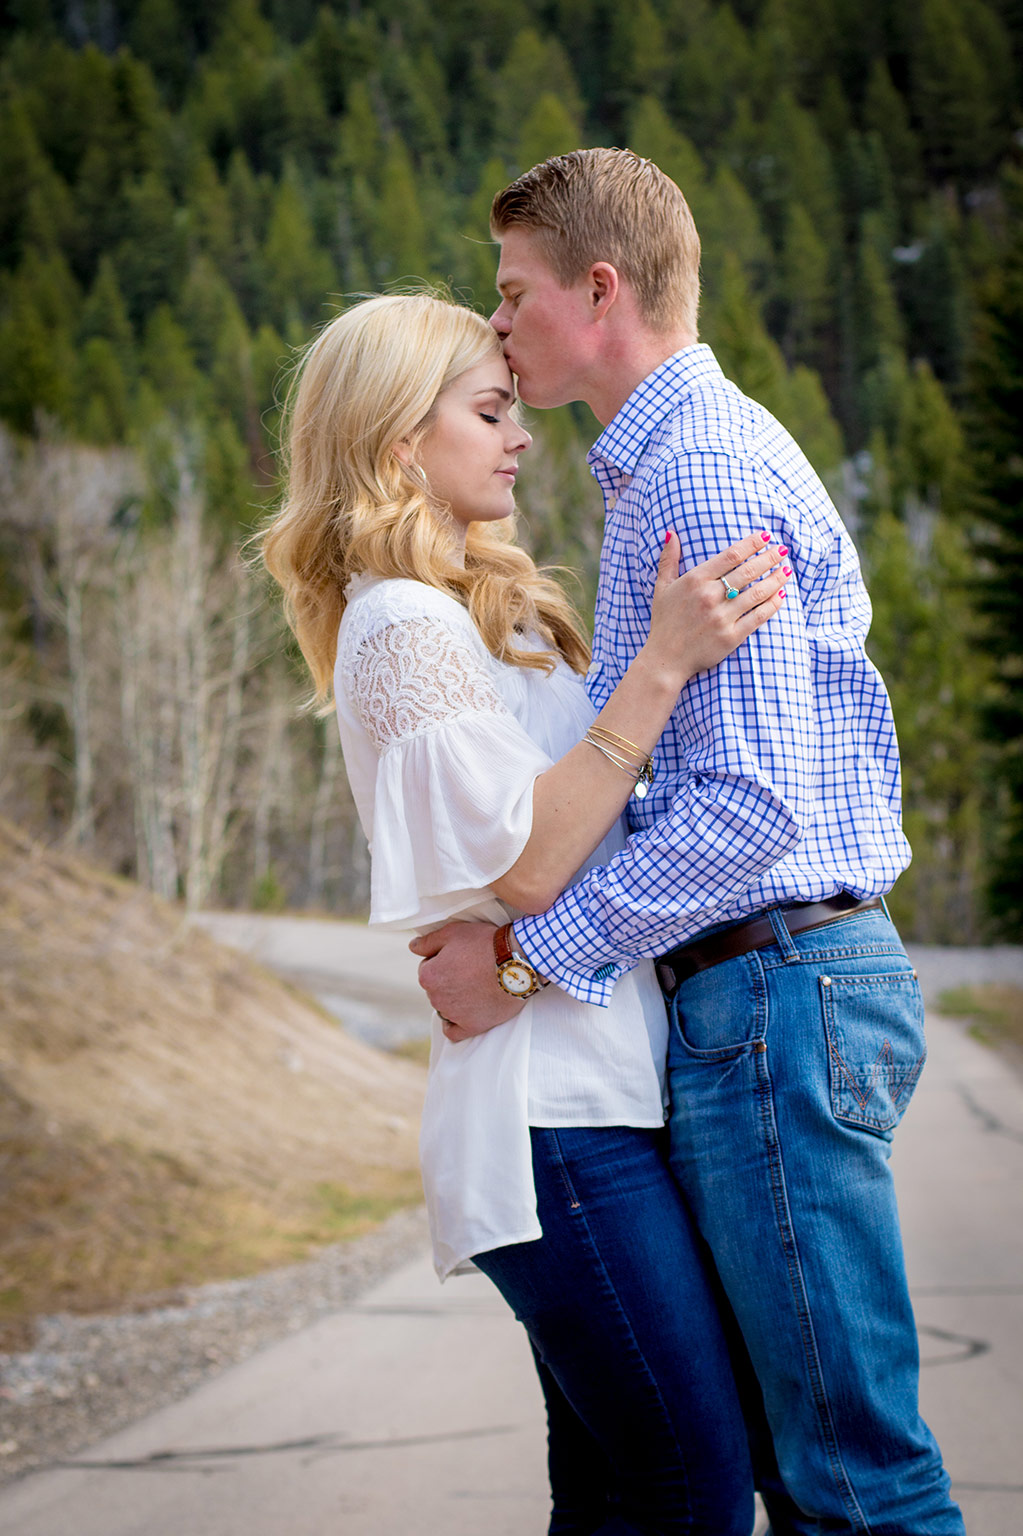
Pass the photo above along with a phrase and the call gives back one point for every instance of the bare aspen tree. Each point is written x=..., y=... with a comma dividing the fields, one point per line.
x=275, y=788
x=147, y=722
x=64, y=498
x=325, y=809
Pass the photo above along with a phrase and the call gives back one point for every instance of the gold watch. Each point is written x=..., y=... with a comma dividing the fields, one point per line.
x=514, y=972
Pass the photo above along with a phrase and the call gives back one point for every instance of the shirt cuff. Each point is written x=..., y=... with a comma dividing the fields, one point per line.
x=594, y=986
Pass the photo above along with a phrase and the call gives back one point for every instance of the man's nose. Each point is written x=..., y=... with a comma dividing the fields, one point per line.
x=500, y=321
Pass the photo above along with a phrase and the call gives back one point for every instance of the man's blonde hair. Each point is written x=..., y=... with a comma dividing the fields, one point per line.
x=610, y=205
x=369, y=380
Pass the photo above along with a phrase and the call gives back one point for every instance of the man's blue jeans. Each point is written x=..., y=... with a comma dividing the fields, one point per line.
x=790, y=1067
x=624, y=1321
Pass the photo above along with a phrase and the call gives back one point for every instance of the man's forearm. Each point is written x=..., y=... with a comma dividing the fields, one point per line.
x=696, y=861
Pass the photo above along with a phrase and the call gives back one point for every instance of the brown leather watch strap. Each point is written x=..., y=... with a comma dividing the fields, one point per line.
x=502, y=944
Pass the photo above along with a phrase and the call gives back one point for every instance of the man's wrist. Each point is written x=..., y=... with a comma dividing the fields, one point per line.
x=515, y=974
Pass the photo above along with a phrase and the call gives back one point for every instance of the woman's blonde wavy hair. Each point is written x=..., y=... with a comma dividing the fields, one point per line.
x=369, y=380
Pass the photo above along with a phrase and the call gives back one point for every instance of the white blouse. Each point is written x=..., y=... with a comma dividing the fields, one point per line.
x=442, y=744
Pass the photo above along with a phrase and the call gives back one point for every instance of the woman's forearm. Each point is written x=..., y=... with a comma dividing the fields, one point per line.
x=581, y=796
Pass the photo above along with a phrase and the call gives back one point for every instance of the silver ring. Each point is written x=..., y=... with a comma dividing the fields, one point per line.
x=730, y=591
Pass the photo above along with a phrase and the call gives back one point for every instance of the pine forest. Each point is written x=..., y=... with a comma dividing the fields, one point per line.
x=187, y=191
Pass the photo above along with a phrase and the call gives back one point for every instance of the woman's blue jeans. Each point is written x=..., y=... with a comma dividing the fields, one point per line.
x=790, y=1067
x=646, y=1435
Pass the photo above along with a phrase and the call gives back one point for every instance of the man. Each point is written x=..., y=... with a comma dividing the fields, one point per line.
x=758, y=860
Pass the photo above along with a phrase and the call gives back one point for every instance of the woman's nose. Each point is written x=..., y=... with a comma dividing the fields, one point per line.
x=521, y=439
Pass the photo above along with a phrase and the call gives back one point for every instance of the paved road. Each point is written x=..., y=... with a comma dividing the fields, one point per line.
x=367, y=979
x=416, y=1411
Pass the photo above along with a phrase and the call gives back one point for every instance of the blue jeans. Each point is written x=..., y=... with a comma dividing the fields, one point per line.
x=790, y=1067
x=646, y=1433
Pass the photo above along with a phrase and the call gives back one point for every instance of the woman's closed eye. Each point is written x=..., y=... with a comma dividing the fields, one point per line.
x=494, y=420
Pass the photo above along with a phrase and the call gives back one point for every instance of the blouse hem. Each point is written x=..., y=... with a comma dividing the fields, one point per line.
x=533, y=1235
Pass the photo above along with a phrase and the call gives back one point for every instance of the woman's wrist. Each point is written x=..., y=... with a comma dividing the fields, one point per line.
x=663, y=676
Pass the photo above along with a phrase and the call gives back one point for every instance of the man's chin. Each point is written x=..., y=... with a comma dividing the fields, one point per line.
x=535, y=399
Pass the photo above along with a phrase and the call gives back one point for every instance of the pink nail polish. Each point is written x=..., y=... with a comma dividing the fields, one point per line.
x=781, y=592
x=786, y=570
x=766, y=537
x=783, y=550
x=667, y=539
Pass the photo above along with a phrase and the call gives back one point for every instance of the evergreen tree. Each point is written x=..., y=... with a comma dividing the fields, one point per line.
x=713, y=74
x=104, y=315
x=299, y=275
x=547, y=130
x=995, y=436
x=399, y=236
x=536, y=67
x=923, y=639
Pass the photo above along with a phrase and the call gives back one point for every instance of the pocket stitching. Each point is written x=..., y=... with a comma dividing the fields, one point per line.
x=905, y=1087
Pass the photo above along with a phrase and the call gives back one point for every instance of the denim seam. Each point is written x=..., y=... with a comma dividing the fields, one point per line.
x=575, y=1204
x=811, y=1355
x=624, y=1316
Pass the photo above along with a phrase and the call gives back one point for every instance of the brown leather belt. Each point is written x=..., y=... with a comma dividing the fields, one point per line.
x=679, y=964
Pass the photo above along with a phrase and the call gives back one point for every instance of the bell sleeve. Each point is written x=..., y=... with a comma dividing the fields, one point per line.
x=453, y=797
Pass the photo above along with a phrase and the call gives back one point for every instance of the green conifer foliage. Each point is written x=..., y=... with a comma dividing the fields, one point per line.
x=713, y=73
x=923, y=639
x=960, y=73
x=104, y=315
x=995, y=436
x=886, y=114
x=547, y=130
x=150, y=257
x=299, y=274
x=399, y=235
x=535, y=67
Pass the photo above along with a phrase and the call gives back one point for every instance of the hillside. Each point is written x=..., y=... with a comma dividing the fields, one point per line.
x=169, y=1112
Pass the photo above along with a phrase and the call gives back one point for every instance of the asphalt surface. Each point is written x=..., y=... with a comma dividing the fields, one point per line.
x=415, y=1410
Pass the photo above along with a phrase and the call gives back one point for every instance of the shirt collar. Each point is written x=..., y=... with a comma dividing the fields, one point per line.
x=621, y=444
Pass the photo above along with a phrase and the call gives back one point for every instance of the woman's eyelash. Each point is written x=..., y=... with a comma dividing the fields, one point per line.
x=492, y=419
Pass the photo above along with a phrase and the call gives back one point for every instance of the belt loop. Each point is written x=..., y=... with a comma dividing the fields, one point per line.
x=781, y=933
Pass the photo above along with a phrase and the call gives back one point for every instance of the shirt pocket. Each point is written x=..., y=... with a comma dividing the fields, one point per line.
x=876, y=1047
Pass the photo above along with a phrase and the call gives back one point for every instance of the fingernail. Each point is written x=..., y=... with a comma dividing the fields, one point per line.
x=786, y=570
x=783, y=550
x=667, y=539
x=766, y=537
x=781, y=592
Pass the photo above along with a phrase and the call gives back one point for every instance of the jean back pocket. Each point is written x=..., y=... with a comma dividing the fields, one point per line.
x=876, y=1050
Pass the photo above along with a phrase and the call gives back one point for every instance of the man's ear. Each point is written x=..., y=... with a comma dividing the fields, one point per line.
x=604, y=285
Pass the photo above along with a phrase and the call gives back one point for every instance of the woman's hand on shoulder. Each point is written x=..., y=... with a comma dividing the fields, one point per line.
x=700, y=616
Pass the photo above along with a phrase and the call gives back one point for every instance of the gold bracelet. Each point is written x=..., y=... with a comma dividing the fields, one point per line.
x=643, y=773
x=622, y=741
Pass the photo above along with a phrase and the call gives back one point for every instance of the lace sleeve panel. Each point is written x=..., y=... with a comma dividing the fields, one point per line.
x=414, y=676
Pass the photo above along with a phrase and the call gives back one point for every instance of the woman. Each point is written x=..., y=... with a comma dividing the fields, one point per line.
x=484, y=781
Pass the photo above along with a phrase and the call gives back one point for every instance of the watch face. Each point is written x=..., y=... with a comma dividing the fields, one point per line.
x=516, y=978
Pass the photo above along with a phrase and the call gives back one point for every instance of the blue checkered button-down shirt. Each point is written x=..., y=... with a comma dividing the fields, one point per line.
x=777, y=777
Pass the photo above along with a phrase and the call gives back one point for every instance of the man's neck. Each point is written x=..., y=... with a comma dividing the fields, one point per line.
x=624, y=366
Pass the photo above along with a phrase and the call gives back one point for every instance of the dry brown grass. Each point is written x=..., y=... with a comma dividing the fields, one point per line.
x=169, y=1113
